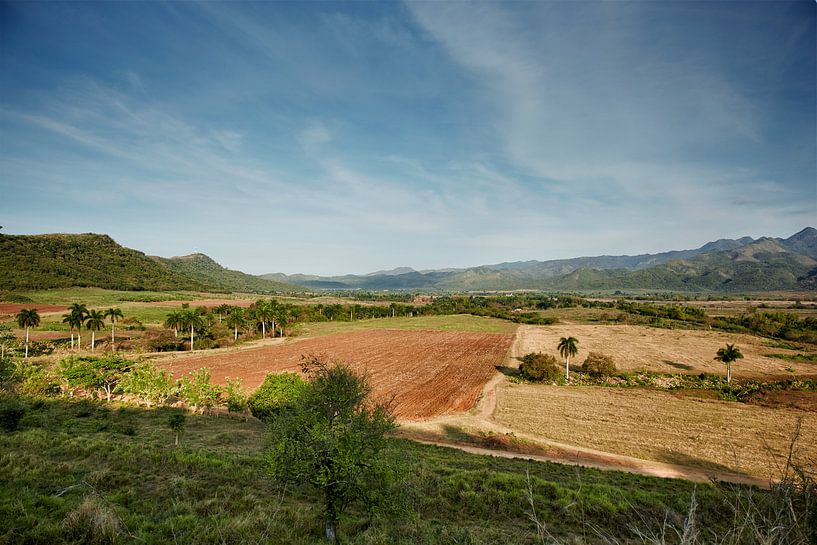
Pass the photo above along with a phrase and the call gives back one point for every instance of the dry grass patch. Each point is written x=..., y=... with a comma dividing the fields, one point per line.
x=659, y=426
x=665, y=350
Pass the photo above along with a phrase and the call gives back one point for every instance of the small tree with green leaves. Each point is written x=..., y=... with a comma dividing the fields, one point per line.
x=198, y=391
x=7, y=340
x=176, y=422
x=276, y=393
x=599, y=365
x=729, y=354
x=234, y=396
x=331, y=437
x=28, y=318
x=149, y=383
x=539, y=367
x=94, y=373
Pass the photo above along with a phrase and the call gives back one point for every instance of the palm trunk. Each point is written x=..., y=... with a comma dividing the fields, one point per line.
x=113, y=338
x=728, y=373
x=176, y=332
x=273, y=328
x=72, y=338
x=235, y=334
x=177, y=439
x=79, y=340
x=263, y=330
x=93, y=339
x=567, y=368
x=191, y=338
x=27, y=342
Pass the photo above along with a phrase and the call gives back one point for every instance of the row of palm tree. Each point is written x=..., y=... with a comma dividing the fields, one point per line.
x=93, y=320
x=186, y=318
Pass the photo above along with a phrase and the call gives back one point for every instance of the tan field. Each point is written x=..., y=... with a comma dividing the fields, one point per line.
x=665, y=350
x=660, y=426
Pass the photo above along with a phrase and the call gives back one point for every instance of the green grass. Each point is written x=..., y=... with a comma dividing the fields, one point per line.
x=456, y=322
x=75, y=462
x=99, y=297
x=794, y=357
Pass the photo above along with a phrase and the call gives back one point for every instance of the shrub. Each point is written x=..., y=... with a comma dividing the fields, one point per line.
x=33, y=380
x=11, y=412
x=92, y=522
x=198, y=391
x=234, y=396
x=95, y=373
x=277, y=392
x=599, y=365
x=539, y=367
x=148, y=383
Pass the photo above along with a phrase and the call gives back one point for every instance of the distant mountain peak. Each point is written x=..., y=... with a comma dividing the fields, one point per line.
x=392, y=272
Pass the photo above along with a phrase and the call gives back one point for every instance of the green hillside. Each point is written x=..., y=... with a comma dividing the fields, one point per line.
x=202, y=268
x=87, y=260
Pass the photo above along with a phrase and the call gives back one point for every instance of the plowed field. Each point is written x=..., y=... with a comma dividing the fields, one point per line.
x=424, y=373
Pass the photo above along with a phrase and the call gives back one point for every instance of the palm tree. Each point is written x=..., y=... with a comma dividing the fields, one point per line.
x=72, y=322
x=236, y=319
x=113, y=314
x=28, y=318
x=567, y=348
x=264, y=313
x=174, y=321
x=80, y=312
x=95, y=322
x=193, y=320
x=728, y=355
x=222, y=311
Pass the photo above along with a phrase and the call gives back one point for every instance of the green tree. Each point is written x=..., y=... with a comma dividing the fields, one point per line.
x=176, y=422
x=96, y=373
x=28, y=318
x=234, y=396
x=73, y=322
x=728, y=355
x=7, y=340
x=174, y=322
x=113, y=314
x=236, y=320
x=568, y=348
x=331, y=438
x=95, y=322
x=148, y=383
x=80, y=313
x=197, y=390
x=539, y=367
x=276, y=394
x=191, y=319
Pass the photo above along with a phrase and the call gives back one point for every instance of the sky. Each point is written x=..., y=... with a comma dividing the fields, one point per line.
x=331, y=138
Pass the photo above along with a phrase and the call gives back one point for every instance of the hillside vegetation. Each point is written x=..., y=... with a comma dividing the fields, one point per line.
x=87, y=260
x=30, y=262
x=204, y=269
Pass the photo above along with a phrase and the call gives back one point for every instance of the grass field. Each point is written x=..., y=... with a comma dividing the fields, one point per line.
x=84, y=472
x=660, y=426
x=422, y=373
x=666, y=350
x=457, y=322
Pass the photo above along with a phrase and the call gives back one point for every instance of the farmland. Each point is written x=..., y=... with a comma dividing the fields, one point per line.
x=422, y=373
x=660, y=426
x=666, y=350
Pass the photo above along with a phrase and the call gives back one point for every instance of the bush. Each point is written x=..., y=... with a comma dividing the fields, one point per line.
x=33, y=380
x=277, y=392
x=11, y=412
x=234, y=396
x=148, y=383
x=198, y=391
x=599, y=365
x=539, y=367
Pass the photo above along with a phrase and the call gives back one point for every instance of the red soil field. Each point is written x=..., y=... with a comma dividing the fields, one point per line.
x=10, y=309
x=423, y=373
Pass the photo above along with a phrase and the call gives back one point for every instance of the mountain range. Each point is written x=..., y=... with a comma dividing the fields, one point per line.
x=744, y=264
x=726, y=265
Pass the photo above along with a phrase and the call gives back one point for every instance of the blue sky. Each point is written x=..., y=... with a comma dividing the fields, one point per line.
x=343, y=138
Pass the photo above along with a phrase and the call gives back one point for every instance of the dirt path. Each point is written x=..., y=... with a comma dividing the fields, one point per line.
x=443, y=431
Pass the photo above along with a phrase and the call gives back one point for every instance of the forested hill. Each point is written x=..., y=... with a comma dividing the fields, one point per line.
x=92, y=260
x=88, y=260
x=204, y=269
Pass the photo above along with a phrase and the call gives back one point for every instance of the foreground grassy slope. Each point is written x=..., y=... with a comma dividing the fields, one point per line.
x=78, y=472
x=60, y=261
